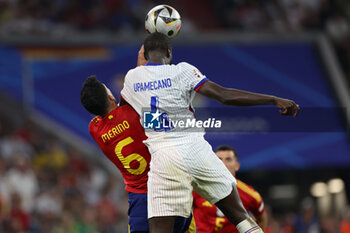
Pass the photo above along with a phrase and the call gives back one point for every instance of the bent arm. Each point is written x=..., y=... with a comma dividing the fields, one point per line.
x=262, y=220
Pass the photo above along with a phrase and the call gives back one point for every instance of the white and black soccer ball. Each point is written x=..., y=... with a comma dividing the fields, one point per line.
x=164, y=19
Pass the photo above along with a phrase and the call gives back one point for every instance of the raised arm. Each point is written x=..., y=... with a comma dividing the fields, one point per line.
x=235, y=97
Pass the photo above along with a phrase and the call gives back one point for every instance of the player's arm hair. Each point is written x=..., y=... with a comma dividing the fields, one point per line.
x=234, y=97
x=261, y=220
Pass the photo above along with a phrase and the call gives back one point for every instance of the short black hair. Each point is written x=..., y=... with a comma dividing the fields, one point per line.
x=156, y=41
x=226, y=148
x=93, y=96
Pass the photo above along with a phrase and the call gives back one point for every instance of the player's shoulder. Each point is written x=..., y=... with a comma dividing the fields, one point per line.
x=95, y=120
x=249, y=190
x=186, y=66
x=132, y=71
x=127, y=110
x=135, y=71
x=94, y=123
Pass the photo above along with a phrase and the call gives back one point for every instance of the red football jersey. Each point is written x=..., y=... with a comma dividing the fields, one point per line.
x=120, y=136
x=210, y=219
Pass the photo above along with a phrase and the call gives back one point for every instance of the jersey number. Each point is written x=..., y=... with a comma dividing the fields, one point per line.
x=126, y=160
x=219, y=223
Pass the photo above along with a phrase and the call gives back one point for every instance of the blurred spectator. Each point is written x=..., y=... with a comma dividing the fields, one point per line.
x=12, y=145
x=78, y=164
x=53, y=157
x=92, y=182
x=4, y=190
x=329, y=224
x=49, y=202
x=345, y=223
x=338, y=27
x=108, y=212
x=307, y=222
x=19, y=219
x=22, y=180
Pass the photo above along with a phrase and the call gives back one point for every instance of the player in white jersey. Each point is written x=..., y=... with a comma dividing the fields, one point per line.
x=182, y=161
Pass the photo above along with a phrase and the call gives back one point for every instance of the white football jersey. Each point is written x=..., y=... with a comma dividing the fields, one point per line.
x=181, y=161
x=167, y=88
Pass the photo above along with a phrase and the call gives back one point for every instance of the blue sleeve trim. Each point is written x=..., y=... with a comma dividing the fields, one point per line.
x=196, y=88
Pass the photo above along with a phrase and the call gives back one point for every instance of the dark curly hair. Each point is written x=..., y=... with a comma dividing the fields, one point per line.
x=156, y=41
x=93, y=96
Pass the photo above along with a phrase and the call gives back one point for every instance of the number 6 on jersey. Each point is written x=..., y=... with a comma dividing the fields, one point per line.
x=126, y=160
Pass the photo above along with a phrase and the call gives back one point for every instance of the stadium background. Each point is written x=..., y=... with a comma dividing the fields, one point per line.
x=54, y=179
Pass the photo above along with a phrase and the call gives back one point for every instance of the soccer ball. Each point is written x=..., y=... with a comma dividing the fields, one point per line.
x=164, y=19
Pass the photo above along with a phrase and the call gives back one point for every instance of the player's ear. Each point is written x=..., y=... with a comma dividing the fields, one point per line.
x=237, y=166
x=111, y=98
x=169, y=53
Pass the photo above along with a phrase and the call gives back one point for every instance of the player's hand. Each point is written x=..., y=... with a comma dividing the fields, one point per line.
x=141, y=60
x=288, y=107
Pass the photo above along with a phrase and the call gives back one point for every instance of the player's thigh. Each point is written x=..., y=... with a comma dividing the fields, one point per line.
x=169, y=185
x=210, y=177
x=138, y=221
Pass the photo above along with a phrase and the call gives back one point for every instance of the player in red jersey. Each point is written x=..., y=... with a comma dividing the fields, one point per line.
x=119, y=134
x=210, y=219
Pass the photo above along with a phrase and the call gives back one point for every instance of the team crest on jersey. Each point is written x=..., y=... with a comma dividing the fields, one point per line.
x=95, y=119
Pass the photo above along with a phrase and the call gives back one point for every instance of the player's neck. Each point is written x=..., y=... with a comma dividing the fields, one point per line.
x=156, y=61
x=158, y=58
x=111, y=108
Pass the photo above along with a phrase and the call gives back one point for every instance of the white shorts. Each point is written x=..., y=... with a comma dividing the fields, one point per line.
x=179, y=166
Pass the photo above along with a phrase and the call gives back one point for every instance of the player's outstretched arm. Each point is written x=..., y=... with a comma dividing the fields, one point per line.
x=235, y=97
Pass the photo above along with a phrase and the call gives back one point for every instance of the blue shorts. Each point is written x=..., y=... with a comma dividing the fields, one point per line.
x=138, y=221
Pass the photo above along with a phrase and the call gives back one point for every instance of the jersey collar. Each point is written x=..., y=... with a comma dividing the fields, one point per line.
x=153, y=64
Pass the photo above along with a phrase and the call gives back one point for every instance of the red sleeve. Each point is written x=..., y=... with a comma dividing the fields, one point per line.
x=251, y=199
x=195, y=197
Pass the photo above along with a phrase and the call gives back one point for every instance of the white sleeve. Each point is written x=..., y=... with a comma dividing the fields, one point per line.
x=126, y=92
x=192, y=78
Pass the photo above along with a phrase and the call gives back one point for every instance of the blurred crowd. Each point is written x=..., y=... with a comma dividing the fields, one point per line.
x=48, y=16
x=291, y=16
x=63, y=17
x=307, y=220
x=49, y=187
